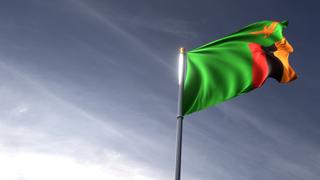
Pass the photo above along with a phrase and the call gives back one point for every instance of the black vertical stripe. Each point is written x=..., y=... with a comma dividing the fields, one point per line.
x=274, y=62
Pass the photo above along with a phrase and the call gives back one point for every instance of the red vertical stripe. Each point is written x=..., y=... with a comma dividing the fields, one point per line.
x=260, y=68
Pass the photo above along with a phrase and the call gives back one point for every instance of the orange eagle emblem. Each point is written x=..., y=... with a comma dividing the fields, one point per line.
x=267, y=30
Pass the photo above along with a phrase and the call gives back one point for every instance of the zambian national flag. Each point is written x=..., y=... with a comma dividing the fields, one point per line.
x=236, y=64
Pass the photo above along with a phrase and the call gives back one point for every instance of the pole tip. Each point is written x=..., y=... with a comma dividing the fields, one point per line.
x=182, y=50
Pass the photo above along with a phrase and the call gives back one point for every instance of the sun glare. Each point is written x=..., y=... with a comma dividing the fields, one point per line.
x=34, y=166
x=180, y=67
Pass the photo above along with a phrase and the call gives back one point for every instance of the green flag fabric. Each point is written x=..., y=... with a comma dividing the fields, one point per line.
x=236, y=64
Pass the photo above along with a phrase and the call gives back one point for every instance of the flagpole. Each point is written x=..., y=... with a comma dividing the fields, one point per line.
x=182, y=68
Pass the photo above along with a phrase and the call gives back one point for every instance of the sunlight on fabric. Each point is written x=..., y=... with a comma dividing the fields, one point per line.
x=35, y=166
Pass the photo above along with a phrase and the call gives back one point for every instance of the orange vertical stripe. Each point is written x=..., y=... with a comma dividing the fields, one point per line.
x=284, y=48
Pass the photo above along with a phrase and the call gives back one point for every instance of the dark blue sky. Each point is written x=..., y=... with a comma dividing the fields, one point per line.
x=88, y=90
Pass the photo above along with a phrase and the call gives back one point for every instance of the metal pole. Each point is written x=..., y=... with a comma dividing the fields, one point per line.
x=182, y=67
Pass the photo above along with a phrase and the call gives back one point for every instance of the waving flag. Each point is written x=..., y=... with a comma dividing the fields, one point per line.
x=236, y=64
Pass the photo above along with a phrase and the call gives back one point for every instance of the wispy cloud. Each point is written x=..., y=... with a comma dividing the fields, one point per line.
x=42, y=131
x=85, y=8
x=32, y=165
x=176, y=27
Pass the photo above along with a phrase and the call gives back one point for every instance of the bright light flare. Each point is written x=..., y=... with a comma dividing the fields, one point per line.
x=180, y=66
x=39, y=166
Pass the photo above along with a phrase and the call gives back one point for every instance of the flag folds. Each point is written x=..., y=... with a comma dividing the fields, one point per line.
x=236, y=64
